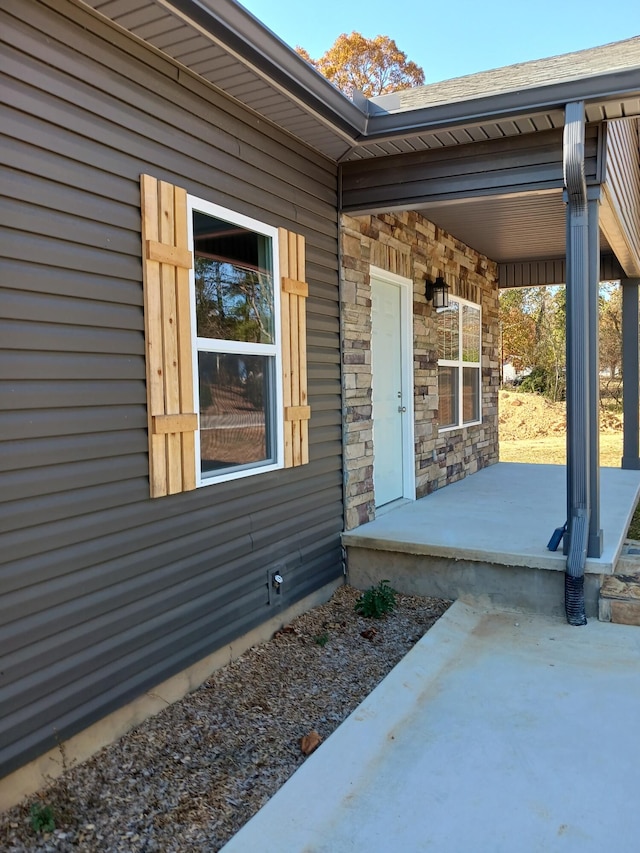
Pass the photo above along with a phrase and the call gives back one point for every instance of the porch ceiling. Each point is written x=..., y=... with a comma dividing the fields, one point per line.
x=506, y=228
x=509, y=228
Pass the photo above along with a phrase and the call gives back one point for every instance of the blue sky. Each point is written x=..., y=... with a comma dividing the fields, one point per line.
x=456, y=37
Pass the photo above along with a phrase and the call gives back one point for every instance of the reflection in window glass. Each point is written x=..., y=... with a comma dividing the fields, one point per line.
x=447, y=396
x=470, y=333
x=459, y=364
x=234, y=283
x=237, y=357
x=448, y=333
x=235, y=411
x=470, y=394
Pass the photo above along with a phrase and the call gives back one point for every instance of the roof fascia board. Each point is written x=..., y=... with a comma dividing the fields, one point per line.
x=463, y=196
x=551, y=271
x=235, y=29
x=504, y=105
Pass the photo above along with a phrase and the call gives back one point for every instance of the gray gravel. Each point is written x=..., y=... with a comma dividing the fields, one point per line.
x=190, y=777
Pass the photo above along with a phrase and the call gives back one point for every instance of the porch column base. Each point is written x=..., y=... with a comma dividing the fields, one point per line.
x=596, y=544
x=631, y=463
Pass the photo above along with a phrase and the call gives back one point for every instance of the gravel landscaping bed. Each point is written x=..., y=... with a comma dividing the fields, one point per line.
x=190, y=777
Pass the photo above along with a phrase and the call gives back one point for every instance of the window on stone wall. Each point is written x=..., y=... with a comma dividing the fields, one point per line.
x=459, y=376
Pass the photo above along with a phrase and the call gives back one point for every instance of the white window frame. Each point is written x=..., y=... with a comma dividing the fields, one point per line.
x=214, y=345
x=460, y=364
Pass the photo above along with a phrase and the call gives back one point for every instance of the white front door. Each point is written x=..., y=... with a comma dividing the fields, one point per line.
x=392, y=412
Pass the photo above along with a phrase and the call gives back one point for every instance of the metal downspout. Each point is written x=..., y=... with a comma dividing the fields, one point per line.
x=578, y=463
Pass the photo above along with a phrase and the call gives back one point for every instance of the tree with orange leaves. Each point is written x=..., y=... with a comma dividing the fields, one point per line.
x=373, y=66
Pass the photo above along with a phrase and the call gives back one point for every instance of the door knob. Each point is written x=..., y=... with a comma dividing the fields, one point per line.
x=402, y=408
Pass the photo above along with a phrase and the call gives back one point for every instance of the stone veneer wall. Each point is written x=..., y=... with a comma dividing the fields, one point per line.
x=409, y=245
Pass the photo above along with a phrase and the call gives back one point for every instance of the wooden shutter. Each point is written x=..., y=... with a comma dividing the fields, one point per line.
x=294, y=294
x=167, y=322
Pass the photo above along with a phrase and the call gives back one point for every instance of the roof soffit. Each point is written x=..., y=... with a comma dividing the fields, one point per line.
x=235, y=52
x=222, y=43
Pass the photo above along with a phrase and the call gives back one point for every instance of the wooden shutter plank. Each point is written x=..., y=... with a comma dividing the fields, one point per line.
x=167, y=424
x=300, y=413
x=185, y=361
x=170, y=338
x=294, y=291
x=304, y=422
x=169, y=254
x=153, y=337
x=302, y=351
x=172, y=421
x=295, y=349
x=283, y=240
x=298, y=288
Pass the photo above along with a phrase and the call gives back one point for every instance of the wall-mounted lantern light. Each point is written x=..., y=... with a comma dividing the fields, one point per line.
x=438, y=291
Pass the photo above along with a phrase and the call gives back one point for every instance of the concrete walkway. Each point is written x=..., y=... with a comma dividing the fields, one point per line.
x=499, y=731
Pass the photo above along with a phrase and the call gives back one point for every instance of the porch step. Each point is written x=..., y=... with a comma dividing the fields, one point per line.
x=620, y=593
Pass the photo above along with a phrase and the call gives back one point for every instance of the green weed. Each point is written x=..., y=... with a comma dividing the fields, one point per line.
x=376, y=601
x=41, y=818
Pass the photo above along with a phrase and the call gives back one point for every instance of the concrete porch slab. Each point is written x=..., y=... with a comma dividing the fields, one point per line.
x=498, y=732
x=504, y=514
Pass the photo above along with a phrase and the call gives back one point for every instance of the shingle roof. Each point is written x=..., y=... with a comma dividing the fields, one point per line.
x=608, y=58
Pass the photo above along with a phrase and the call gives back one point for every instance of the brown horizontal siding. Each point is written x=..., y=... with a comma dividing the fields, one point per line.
x=17, y=517
x=100, y=117
x=44, y=395
x=105, y=592
x=31, y=366
x=112, y=293
x=98, y=538
x=62, y=422
x=115, y=683
x=53, y=479
x=38, y=453
x=88, y=642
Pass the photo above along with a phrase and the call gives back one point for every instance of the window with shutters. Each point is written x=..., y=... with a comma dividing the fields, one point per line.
x=225, y=329
x=235, y=314
x=459, y=366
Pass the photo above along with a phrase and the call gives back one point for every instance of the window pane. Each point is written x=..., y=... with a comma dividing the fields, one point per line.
x=448, y=332
x=234, y=282
x=470, y=333
x=236, y=412
x=470, y=394
x=447, y=396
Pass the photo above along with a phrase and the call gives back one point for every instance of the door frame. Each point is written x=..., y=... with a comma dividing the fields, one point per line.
x=405, y=286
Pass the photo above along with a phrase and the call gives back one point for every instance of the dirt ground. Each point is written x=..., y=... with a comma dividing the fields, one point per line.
x=533, y=430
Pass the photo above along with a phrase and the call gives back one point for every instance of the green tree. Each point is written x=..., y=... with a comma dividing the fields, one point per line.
x=611, y=328
x=610, y=342
x=374, y=66
x=517, y=327
x=533, y=324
